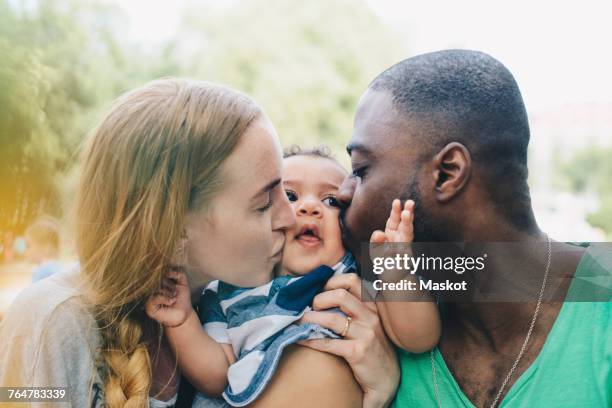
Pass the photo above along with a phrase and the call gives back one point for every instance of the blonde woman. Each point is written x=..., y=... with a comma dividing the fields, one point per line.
x=179, y=174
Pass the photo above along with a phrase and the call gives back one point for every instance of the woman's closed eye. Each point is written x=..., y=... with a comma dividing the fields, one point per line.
x=268, y=204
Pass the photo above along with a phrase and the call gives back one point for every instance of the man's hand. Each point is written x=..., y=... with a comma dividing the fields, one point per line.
x=172, y=304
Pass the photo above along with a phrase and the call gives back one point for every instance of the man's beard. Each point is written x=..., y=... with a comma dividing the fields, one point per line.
x=425, y=229
x=345, y=232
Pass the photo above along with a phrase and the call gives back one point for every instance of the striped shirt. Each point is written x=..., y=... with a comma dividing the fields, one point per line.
x=260, y=322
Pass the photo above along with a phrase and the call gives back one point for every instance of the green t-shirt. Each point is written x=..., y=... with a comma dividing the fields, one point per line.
x=573, y=369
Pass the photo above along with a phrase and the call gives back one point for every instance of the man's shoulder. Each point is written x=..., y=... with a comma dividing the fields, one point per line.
x=593, y=279
x=601, y=255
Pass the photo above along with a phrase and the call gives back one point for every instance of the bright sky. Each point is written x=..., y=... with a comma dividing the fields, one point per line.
x=559, y=52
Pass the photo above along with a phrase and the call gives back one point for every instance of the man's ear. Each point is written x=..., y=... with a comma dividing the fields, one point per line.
x=452, y=170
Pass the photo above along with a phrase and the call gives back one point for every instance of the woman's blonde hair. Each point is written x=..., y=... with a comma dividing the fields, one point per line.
x=155, y=156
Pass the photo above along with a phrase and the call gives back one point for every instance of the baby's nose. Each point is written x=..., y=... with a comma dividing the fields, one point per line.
x=310, y=207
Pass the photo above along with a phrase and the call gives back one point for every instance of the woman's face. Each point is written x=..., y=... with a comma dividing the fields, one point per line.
x=240, y=238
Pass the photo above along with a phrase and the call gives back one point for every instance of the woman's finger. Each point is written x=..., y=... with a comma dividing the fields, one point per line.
x=338, y=323
x=340, y=298
x=348, y=281
x=333, y=321
x=353, y=284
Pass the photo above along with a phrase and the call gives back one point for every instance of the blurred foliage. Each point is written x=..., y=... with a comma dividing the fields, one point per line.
x=307, y=63
x=62, y=62
x=52, y=75
x=590, y=170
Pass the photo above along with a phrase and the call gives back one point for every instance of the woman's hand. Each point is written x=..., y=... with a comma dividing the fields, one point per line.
x=365, y=346
x=171, y=306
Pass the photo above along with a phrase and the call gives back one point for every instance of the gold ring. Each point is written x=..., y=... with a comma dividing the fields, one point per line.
x=349, y=319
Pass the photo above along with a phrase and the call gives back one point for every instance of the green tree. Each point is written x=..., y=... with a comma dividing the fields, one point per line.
x=306, y=62
x=59, y=66
x=62, y=62
x=590, y=170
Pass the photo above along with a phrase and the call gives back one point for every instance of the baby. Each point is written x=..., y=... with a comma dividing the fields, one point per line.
x=246, y=329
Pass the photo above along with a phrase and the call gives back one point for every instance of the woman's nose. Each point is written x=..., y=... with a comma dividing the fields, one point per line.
x=284, y=215
x=309, y=207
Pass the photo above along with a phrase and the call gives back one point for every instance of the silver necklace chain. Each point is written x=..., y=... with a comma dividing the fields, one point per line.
x=523, y=347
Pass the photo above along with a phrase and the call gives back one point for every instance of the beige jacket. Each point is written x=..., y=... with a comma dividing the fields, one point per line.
x=49, y=338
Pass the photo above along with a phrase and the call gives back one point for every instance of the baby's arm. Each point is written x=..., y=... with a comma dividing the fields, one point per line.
x=412, y=325
x=201, y=359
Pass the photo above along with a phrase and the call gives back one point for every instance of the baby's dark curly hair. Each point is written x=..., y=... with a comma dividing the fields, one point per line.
x=322, y=151
x=319, y=151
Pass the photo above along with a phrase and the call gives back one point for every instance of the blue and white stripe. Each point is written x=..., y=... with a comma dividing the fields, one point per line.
x=260, y=322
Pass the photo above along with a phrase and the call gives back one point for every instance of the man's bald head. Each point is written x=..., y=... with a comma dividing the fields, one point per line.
x=471, y=98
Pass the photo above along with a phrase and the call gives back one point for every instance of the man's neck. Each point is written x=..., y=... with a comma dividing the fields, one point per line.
x=491, y=322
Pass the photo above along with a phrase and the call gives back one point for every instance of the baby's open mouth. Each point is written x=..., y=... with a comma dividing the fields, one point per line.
x=308, y=235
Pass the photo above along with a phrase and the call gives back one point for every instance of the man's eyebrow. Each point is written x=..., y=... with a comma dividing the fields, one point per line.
x=268, y=187
x=357, y=147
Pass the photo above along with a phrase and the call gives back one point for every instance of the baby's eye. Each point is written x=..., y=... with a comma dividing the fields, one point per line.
x=331, y=201
x=291, y=195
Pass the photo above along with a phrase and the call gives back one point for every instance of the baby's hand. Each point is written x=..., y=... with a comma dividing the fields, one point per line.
x=172, y=304
x=396, y=239
x=399, y=227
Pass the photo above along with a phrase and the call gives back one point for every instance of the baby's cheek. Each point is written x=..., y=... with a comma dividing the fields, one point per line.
x=294, y=261
x=333, y=245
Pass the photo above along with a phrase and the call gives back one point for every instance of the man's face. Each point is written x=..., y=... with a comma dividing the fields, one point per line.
x=384, y=161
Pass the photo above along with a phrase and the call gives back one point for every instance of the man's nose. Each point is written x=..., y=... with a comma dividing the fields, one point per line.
x=345, y=192
x=309, y=207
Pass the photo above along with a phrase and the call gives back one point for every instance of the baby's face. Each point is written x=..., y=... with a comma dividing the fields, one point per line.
x=311, y=184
